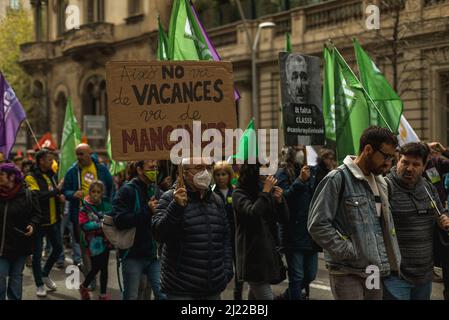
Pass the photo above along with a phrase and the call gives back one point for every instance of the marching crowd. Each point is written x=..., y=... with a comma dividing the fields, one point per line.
x=199, y=226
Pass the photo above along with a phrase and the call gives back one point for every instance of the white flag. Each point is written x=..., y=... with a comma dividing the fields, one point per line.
x=312, y=156
x=406, y=132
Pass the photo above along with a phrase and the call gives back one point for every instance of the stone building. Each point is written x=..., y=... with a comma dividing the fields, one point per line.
x=411, y=48
x=12, y=4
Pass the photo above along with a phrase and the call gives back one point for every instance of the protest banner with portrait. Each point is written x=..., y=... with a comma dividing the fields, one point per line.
x=301, y=99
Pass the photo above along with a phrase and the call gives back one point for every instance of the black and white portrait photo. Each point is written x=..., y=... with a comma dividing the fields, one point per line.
x=301, y=99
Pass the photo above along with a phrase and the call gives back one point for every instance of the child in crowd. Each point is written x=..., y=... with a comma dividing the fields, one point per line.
x=90, y=220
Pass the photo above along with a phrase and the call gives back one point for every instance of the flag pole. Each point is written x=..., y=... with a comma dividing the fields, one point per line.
x=364, y=90
x=180, y=183
x=304, y=151
x=32, y=133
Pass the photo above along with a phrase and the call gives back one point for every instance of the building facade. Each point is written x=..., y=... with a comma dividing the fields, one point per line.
x=12, y=4
x=411, y=47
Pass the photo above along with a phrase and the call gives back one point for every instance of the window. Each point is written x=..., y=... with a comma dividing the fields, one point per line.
x=61, y=17
x=94, y=96
x=95, y=103
x=134, y=7
x=94, y=11
x=100, y=10
x=215, y=13
x=61, y=103
x=14, y=4
x=40, y=20
x=39, y=108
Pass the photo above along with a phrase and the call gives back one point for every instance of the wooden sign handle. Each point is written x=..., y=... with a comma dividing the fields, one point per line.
x=180, y=183
x=305, y=155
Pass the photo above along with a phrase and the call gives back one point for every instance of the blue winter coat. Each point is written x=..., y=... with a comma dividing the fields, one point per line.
x=298, y=194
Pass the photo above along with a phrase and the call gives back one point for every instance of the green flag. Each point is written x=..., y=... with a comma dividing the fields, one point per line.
x=352, y=114
x=115, y=167
x=385, y=98
x=329, y=94
x=71, y=137
x=248, y=148
x=162, y=45
x=288, y=42
x=186, y=40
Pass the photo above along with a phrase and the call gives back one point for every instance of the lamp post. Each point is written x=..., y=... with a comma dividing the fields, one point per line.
x=254, y=51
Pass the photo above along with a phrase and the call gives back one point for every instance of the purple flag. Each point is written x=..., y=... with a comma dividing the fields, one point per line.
x=11, y=116
x=212, y=50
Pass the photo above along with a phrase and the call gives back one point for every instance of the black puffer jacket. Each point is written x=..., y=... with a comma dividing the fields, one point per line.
x=20, y=212
x=196, y=252
x=257, y=237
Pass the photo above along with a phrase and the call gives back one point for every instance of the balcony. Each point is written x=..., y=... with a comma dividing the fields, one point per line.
x=333, y=13
x=283, y=23
x=429, y=3
x=215, y=14
x=33, y=53
x=221, y=37
x=90, y=38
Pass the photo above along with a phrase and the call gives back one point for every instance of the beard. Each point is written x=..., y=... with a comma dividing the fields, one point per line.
x=408, y=178
x=377, y=170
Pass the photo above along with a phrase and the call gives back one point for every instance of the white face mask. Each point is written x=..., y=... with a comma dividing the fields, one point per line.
x=299, y=158
x=202, y=179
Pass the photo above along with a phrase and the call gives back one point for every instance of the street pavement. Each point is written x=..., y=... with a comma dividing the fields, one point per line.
x=319, y=290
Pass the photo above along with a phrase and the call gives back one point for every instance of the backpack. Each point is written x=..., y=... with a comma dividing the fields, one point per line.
x=121, y=239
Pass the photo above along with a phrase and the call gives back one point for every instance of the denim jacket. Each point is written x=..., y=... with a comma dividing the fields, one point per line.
x=347, y=227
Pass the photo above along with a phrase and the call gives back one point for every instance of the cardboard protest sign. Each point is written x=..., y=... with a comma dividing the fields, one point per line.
x=148, y=100
x=301, y=99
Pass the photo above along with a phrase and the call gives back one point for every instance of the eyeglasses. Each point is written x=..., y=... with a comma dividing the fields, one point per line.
x=387, y=157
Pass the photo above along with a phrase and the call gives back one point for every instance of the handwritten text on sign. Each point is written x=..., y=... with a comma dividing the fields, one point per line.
x=148, y=100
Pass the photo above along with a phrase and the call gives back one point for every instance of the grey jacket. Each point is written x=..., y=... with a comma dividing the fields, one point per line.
x=345, y=224
x=414, y=217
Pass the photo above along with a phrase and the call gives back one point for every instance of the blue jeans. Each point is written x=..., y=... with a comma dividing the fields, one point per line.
x=133, y=269
x=399, y=289
x=11, y=275
x=76, y=250
x=53, y=234
x=302, y=269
